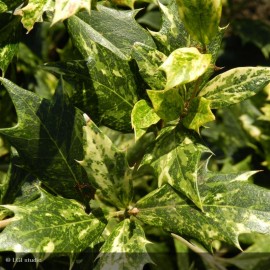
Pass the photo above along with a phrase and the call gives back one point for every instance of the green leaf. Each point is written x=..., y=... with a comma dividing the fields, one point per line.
x=48, y=138
x=7, y=5
x=101, y=28
x=33, y=11
x=232, y=206
x=168, y=104
x=201, y=18
x=255, y=257
x=184, y=65
x=65, y=9
x=106, y=167
x=149, y=59
x=50, y=225
x=175, y=157
x=172, y=34
x=125, y=248
x=235, y=85
x=9, y=42
x=199, y=113
x=142, y=117
x=106, y=88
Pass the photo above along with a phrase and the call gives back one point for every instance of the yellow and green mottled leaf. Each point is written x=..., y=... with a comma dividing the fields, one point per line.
x=33, y=12
x=175, y=157
x=48, y=138
x=235, y=85
x=125, y=248
x=101, y=28
x=108, y=90
x=106, y=167
x=9, y=42
x=50, y=225
x=67, y=8
x=232, y=206
x=184, y=65
x=149, y=59
x=168, y=104
x=199, y=113
x=201, y=18
x=172, y=34
x=142, y=117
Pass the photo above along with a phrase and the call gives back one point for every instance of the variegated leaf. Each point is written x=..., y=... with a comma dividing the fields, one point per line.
x=108, y=91
x=149, y=59
x=100, y=28
x=142, y=117
x=168, y=104
x=201, y=18
x=175, y=157
x=48, y=138
x=184, y=65
x=235, y=85
x=33, y=12
x=199, y=113
x=9, y=42
x=172, y=34
x=67, y=8
x=106, y=167
x=50, y=225
x=232, y=206
x=125, y=248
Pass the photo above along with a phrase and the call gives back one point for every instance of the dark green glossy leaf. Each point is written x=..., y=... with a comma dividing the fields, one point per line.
x=50, y=225
x=175, y=157
x=106, y=167
x=235, y=85
x=125, y=248
x=232, y=206
x=101, y=28
x=48, y=137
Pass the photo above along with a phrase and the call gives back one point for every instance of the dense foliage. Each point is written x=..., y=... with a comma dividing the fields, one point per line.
x=107, y=136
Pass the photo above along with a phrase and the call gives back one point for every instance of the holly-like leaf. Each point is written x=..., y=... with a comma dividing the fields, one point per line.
x=100, y=28
x=168, y=104
x=108, y=90
x=172, y=34
x=142, y=117
x=232, y=206
x=184, y=65
x=106, y=167
x=235, y=85
x=48, y=138
x=33, y=12
x=175, y=157
x=149, y=59
x=201, y=18
x=9, y=42
x=50, y=225
x=125, y=248
x=199, y=113
x=67, y=8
